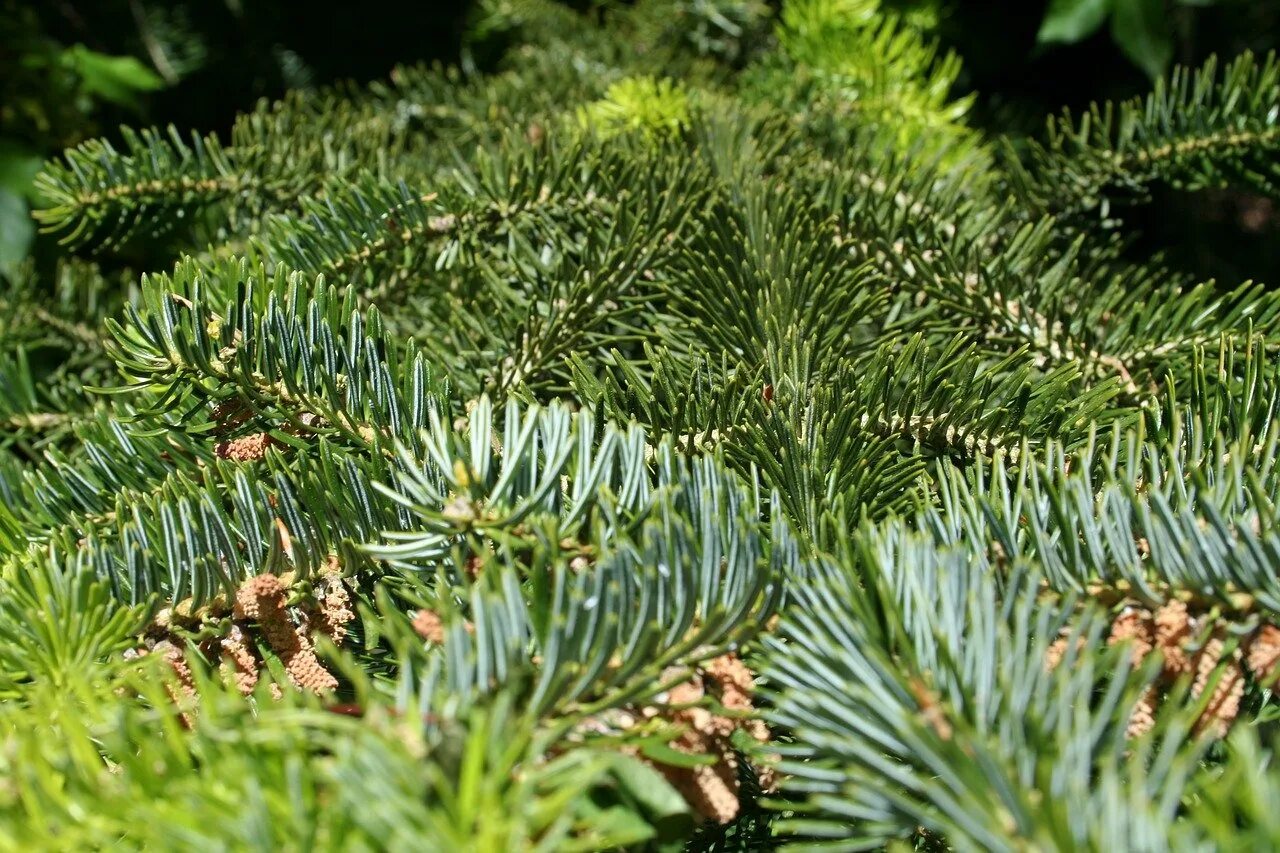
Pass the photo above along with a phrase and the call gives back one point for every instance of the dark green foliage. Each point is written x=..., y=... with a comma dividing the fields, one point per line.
x=523, y=410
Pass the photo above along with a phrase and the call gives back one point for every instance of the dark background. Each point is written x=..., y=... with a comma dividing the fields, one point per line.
x=257, y=48
x=250, y=48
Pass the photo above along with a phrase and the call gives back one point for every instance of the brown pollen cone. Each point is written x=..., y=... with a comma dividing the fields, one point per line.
x=237, y=654
x=1224, y=702
x=262, y=599
x=1173, y=628
x=246, y=448
x=1264, y=653
x=429, y=626
x=334, y=608
x=712, y=790
x=186, y=689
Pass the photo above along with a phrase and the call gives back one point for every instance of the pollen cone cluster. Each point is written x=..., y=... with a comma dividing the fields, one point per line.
x=259, y=612
x=1198, y=647
x=262, y=600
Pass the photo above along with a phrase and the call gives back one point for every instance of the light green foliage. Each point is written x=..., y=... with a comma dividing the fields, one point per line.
x=653, y=107
x=684, y=340
x=854, y=57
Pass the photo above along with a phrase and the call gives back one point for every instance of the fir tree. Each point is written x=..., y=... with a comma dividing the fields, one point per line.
x=674, y=426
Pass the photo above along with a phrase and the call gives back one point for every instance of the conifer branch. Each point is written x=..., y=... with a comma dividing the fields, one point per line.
x=1199, y=128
